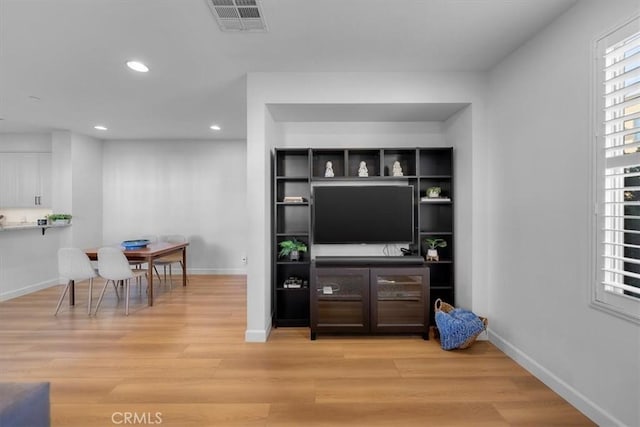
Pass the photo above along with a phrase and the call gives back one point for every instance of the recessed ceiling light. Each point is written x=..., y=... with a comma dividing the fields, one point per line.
x=214, y=127
x=137, y=66
x=100, y=127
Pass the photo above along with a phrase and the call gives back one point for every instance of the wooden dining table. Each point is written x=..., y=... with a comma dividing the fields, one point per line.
x=148, y=254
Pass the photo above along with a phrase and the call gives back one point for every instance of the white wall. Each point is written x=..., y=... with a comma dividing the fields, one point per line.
x=264, y=89
x=457, y=133
x=86, y=191
x=539, y=188
x=61, y=180
x=194, y=188
x=361, y=134
x=25, y=142
x=28, y=259
x=261, y=138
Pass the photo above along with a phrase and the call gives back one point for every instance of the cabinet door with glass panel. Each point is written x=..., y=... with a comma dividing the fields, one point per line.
x=400, y=300
x=340, y=300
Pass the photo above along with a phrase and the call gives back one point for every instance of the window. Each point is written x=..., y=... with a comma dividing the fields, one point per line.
x=617, y=284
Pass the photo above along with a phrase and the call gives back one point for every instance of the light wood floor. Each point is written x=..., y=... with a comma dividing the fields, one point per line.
x=186, y=359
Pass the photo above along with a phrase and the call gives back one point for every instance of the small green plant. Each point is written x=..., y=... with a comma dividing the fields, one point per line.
x=436, y=243
x=289, y=246
x=54, y=217
x=433, y=191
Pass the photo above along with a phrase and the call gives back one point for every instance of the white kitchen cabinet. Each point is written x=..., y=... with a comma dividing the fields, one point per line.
x=25, y=180
x=44, y=180
x=8, y=180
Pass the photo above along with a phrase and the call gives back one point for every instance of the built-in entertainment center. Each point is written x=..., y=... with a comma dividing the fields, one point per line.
x=332, y=198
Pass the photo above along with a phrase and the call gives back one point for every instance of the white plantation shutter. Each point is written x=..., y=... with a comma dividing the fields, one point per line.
x=617, y=285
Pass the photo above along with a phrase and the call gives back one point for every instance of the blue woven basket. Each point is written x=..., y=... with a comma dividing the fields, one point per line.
x=458, y=327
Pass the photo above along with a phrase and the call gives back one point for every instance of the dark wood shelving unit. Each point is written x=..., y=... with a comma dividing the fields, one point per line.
x=296, y=169
x=290, y=220
x=435, y=220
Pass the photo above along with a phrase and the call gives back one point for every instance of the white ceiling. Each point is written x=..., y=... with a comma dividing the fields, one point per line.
x=71, y=53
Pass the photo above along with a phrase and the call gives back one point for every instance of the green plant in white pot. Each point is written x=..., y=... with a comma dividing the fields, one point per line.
x=433, y=192
x=291, y=248
x=432, y=248
x=59, y=218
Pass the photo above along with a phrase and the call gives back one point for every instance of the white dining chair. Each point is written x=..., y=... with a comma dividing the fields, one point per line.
x=175, y=258
x=152, y=238
x=114, y=267
x=74, y=266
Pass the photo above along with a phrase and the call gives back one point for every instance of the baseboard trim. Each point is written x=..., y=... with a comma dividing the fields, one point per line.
x=257, y=335
x=573, y=396
x=214, y=271
x=4, y=296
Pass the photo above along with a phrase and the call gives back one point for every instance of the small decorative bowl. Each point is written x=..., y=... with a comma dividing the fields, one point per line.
x=135, y=244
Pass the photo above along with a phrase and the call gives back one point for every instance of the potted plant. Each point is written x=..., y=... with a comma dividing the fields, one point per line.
x=433, y=192
x=291, y=248
x=432, y=250
x=59, y=218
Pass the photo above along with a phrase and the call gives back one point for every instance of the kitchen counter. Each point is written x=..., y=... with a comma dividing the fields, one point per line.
x=11, y=226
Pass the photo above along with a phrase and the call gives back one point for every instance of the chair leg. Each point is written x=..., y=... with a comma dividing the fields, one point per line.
x=157, y=274
x=64, y=293
x=170, y=278
x=126, y=298
x=90, y=295
x=104, y=288
x=115, y=287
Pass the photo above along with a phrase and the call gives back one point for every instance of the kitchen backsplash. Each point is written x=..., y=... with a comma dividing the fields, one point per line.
x=23, y=215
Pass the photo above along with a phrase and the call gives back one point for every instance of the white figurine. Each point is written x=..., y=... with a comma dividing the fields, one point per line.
x=328, y=171
x=397, y=169
x=363, y=171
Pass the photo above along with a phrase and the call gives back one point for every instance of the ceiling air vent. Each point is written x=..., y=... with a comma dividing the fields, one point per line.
x=238, y=15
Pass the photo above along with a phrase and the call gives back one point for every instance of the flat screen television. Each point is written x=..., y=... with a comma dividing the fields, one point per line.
x=362, y=214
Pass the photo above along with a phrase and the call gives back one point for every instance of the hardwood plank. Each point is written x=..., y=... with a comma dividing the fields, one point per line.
x=305, y=368
x=547, y=413
x=169, y=414
x=300, y=350
x=121, y=368
x=479, y=366
x=186, y=358
x=399, y=390
x=385, y=414
x=232, y=390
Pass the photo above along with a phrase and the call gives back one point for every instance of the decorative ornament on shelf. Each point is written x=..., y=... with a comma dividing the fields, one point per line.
x=328, y=171
x=397, y=169
x=432, y=250
x=363, y=171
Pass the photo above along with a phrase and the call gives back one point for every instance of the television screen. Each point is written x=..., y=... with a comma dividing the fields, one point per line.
x=363, y=214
